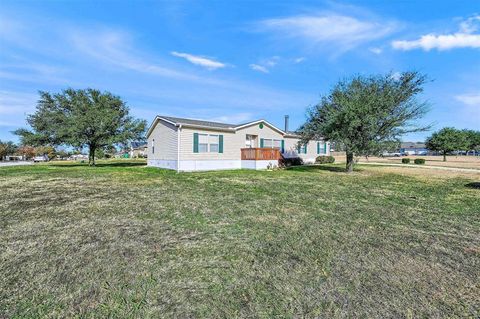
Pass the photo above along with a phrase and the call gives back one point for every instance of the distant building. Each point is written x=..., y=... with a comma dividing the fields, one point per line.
x=138, y=149
x=411, y=148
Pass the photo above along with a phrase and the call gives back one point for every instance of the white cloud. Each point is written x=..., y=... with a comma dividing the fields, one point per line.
x=199, y=60
x=115, y=48
x=266, y=64
x=259, y=68
x=470, y=25
x=376, y=50
x=342, y=31
x=299, y=60
x=472, y=99
x=470, y=111
x=464, y=38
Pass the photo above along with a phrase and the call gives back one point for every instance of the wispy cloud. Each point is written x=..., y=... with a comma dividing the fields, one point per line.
x=341, y=31
x=470, y=111
x=259, y=68
x=114, y=47
x=376, y=50
x=16, y=102
x=472, y=99
x=200, y=60
x=265, y=65
x=464, y=38
x=299, y=60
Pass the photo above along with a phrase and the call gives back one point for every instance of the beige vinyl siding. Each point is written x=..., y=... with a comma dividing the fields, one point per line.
x=165, y=136
x=291, y=146
x=186, y=145
x=232, y=142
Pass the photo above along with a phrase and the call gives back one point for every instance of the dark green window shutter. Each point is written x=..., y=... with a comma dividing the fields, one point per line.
x=299, y=149
x=195, y=142
x=283, y=146
x=305, y=149
x=220, y=143
x=318, y=147
x=261, y=142
x=325, y=148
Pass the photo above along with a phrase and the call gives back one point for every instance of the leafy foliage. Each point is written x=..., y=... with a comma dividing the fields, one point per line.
x=472, y=139
x=81, y=118
x=447, y=140
x=419, y=161
x=292, y=161
x=323, y=159
x=367, y=114
x=27, y=151
x=7, y=148
x=405, y=160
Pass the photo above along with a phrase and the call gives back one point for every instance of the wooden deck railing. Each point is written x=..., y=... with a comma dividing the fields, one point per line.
x=260, y=154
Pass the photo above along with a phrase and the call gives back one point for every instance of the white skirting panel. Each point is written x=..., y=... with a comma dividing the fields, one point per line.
x=208, y=165
x=211, y=165
x=250, y=164
x=168, y=164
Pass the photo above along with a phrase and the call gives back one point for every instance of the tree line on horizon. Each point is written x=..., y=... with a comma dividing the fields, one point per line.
x=364, y=114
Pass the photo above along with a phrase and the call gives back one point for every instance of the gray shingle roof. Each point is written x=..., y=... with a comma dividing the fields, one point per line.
x=179, y=120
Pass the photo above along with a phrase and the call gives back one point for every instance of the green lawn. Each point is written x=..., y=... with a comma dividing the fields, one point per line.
x=123, y=240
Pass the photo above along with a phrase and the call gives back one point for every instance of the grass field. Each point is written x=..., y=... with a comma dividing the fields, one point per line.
x=452, y=161
x=123, y=240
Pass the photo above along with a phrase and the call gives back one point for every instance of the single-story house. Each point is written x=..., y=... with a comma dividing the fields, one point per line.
x=411, y=148
x=138, y=149
x=193, y=145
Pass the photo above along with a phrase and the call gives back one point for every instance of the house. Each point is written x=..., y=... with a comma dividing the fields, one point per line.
x=138, y=149
x=194, y=145
x=410, y=148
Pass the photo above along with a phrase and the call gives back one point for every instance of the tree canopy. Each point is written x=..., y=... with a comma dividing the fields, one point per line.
x=472, y=140
x=368, y=114
x=81, y=118
x=447, y=140
x=7, y=148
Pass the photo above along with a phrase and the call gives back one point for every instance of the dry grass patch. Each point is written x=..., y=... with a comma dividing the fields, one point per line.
x=130, y=241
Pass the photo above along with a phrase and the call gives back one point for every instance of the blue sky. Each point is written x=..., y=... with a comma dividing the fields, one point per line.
x=236, y=61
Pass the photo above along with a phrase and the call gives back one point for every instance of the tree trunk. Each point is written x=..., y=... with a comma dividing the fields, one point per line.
x=91, y=155
x=444, y=156
x=349, y=162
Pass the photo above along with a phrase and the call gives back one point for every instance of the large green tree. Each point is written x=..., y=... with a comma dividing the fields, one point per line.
x=472, y=140
x=447, y=140
x=368, y=114
x=81, y=118
x=7, y=148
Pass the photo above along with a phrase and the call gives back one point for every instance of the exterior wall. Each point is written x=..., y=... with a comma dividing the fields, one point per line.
x=168, y=164
x=166, y=142
x=232, y=142
x=309, y=157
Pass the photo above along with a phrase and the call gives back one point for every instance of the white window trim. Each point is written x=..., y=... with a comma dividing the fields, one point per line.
x=272, y=140
x=209, y=144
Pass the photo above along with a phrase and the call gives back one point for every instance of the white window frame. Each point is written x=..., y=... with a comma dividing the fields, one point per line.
x=272, y=141
x=209, y=143
x=210, y=140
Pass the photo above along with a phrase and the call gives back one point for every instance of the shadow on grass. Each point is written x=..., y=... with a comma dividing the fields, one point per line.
x=114, y=164
x=474, y=185
x=313, y=168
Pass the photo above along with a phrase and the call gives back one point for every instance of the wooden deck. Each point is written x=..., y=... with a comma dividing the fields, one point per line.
x=260, y=154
